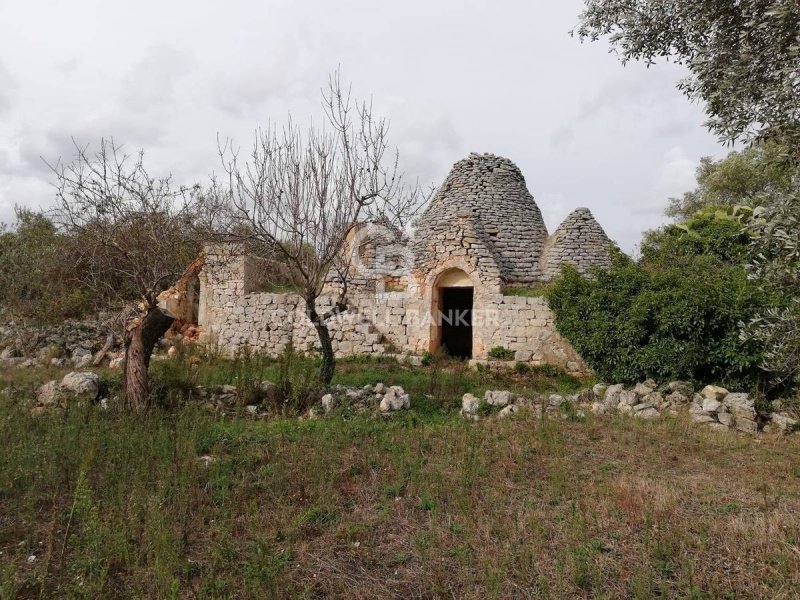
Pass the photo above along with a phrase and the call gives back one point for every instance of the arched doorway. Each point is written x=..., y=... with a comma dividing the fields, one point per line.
x=452, y=299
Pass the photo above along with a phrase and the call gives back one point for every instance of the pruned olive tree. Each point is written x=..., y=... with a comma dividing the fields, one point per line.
x=136, y=230
x=299, y=195
x=775, y=231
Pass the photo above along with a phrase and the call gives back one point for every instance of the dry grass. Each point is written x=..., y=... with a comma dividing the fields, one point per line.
x=416, y=507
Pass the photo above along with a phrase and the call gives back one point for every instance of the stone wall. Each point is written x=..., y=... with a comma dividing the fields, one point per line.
x=233, y=316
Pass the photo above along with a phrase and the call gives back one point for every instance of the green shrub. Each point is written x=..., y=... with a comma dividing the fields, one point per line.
x=631, y=323
x=521, y=367
x=501, y=353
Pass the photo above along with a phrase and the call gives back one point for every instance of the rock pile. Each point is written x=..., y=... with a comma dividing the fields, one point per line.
x=386, y=399
x=71, y=343
x=713, y=406
x=81, y=386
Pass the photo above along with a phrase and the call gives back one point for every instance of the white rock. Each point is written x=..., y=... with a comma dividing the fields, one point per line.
x=611, y=399
x=251, y=409
x=469, y=404
x=711, y=405
x=49, y=394
x=599, y=390
x=677, y=398
x=746, y=425
x=726, y=419
x=628, y=398
x=643, y=389
x=783, y=422
x=395, y=399
x=508, y=410
x=598, y=408
x=647, y=413
x=82, y=384
x=328, y=402
x=683, y=388
x=701, y=417
x=555, y=400
x=380, y=388
x=498, y=397
x=714, y=392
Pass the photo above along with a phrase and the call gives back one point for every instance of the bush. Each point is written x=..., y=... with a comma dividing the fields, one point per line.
x=501, y=353
x=631, y=323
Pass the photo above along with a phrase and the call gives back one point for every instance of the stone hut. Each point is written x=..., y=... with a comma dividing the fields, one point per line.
x=464, y=282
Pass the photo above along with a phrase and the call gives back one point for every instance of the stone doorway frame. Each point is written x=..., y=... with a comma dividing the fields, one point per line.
x=447, y=277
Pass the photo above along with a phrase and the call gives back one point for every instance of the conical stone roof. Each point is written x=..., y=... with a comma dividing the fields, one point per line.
x=580, y=241
x=487, y=194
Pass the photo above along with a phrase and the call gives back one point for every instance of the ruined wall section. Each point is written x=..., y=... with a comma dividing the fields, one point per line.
x=233, y=316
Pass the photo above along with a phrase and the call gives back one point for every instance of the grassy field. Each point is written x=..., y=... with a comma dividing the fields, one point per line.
x=183, y=504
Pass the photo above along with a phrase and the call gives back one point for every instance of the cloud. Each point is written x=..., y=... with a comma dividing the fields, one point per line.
x=8, y=87
x=151, y=81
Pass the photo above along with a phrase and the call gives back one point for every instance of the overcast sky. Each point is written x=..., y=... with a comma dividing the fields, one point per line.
x=454, y=76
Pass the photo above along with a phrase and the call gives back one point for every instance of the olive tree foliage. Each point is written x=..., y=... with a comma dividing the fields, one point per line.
x=743, y=57
x=742, y=178
x=300, y=194
x=775, y=229
x=136, y=238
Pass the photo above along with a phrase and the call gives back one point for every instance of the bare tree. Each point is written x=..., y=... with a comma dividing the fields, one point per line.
x=299, y=196
x=136, y=240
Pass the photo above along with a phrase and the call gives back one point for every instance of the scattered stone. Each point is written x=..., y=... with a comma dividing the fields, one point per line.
x=714, y=392
x=644, y=389
x=498, y=397
x=555, y=400
x=711, y=405
x=49, y=395
x=10, y=352
x=380, y=388
x=683, y=388
x=677, y=398
x=599, y=390
x=207, y=459
x=726, y=419
x=508, y=410
x=613, y=393
x=628, y=398
x=647, y=413
x=781, y=423
x=395, y=399
x=469, y=405
x=81, y=384
x=328, y=402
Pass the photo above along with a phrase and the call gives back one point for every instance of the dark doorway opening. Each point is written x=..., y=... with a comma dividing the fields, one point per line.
x=456, y=316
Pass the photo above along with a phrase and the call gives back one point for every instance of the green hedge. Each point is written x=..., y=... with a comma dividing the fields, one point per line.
x=631, y=322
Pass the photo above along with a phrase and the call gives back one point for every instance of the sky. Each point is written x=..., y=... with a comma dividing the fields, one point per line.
x=453, y=76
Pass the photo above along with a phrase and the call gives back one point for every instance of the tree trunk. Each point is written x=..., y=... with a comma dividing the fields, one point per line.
x=328, y=365
x=139, y=343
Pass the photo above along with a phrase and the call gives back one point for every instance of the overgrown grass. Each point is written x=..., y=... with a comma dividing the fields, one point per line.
x=436, y=388
x=424, y=504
